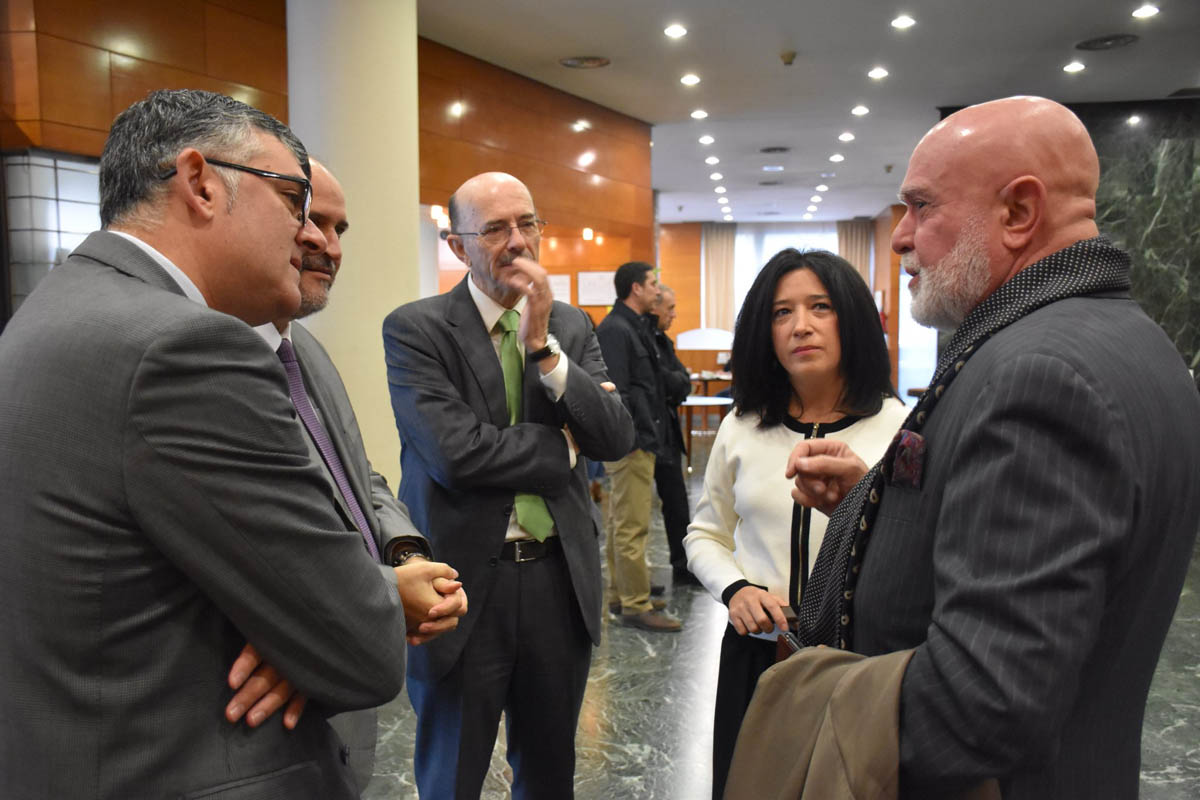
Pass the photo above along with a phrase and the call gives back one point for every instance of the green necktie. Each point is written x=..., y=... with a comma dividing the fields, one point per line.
x=532, y=514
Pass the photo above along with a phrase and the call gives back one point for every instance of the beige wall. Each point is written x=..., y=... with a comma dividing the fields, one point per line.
x=371, y=146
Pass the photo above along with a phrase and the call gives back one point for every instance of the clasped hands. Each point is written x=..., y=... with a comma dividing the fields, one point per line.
x=433, y=600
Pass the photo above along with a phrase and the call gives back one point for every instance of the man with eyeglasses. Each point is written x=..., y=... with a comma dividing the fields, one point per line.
x=161, y=507
x=497, y=391
x=433, y=598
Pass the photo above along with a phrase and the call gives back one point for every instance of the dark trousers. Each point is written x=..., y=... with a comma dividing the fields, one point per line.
x=672, y=491
x=528, y=656
x=743, y=660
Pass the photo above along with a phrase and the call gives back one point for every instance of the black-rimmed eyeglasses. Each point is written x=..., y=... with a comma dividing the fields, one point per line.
x=498, y=233
x=300, y=203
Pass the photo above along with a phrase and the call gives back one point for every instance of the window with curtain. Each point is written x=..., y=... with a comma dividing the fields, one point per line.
x=757, y=242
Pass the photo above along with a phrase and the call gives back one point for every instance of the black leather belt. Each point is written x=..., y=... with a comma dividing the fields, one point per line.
x=530, y=549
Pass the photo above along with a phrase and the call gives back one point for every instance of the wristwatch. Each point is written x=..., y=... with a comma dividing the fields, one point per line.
x=551, y=349
x=402, y=557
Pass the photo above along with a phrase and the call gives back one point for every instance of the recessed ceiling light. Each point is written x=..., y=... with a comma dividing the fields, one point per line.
x=811, y=208
x=691, y=79
x=860, y=110
x=836, y=157
x=584, y=62
x=879, y=73
x=457, y=109
x=1145, y=11
x=828, y=174
x=816, y=198
x=716, y=176
x=581, y=125
x=1134, y=120
x=728, y=217
x=847, y=136
x=585, y=159
x=706, y=139
x=588, y=234
x=1074, y=66
x=723, y=200
x=699, y=113
x=719, y=189
x=712, y=160
x=807, y=216
x=675, y=30
x=903, y=21
x=821, y=188
x=772, y=168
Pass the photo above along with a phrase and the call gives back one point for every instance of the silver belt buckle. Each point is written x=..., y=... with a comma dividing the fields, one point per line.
x=519, y=547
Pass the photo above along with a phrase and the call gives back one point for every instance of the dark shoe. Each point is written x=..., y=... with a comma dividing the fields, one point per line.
x=654, y=621
x=658, y=605
x=656, y=590
x=684, y=577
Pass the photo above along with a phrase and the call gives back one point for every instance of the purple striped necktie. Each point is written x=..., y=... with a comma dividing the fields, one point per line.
x=308, y=415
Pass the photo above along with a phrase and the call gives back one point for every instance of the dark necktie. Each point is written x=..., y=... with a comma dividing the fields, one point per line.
x=308, y=415
x=532, y=514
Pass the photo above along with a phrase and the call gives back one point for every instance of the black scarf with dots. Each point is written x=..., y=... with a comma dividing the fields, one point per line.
x=827, y=607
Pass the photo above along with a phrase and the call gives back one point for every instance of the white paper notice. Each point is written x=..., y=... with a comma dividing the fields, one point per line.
x=596, y=288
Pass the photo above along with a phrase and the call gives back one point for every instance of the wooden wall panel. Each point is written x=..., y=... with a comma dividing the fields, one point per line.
x=679, y=253
x=244, y=50
x=133, y=79
x=17, y=15
x=167, y=33
x=272, y=12
x=61, y=88
x=73, y=83
x=611, y=195
x=887, y=280
x=18, y=76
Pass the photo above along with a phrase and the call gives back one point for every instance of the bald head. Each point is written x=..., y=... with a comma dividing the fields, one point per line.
x=494, y=202
x=992, y=144
x=990, y=190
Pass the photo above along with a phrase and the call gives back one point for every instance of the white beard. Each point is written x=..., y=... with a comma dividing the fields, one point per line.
x=948, y=290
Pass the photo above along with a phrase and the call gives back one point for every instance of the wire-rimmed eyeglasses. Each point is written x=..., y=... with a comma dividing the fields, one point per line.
x=498, y=233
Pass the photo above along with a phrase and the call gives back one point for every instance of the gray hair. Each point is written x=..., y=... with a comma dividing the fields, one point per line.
x=146, y=138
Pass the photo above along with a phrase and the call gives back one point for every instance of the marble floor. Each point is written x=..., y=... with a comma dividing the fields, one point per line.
x=646, y=727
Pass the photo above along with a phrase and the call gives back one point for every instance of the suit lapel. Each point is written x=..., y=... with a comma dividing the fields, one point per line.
x=329, y=410
x=474, y=342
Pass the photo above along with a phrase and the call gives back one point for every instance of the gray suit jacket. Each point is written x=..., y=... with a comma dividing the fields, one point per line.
x=462, y=462
x=1037, y=568
x=161, y=509
x=386, y=515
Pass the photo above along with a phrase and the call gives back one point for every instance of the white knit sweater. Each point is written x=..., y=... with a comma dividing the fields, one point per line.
x=742, y=527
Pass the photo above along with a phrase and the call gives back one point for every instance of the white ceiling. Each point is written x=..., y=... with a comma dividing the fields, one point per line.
x=959, y=52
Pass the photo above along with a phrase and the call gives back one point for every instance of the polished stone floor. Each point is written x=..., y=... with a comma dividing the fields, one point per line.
x=646, y=727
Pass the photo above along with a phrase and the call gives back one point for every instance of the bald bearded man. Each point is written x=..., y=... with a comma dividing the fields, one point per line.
x=1029, y=531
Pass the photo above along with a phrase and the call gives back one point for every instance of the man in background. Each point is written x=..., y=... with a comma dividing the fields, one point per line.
x=433, y=599
x=668, y=466
x=161, y=506
x=1028, y=533
x=497, y=389
x=627, y=341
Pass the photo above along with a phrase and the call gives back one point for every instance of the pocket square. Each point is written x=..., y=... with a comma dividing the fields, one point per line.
x=909, y=461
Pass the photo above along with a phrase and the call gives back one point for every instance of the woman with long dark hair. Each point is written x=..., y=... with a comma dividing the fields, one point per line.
x=809, y=360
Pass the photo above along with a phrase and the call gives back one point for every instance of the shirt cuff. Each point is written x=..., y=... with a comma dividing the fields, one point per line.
x=555, y=382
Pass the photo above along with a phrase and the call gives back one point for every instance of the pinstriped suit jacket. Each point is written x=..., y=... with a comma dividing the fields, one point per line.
x=1037, y=569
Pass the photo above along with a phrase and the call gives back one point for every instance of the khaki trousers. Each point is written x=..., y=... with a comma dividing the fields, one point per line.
x=628, y=530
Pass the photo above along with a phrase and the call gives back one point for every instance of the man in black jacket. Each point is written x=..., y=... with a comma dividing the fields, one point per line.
x=627, y=342
x=676, y=382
